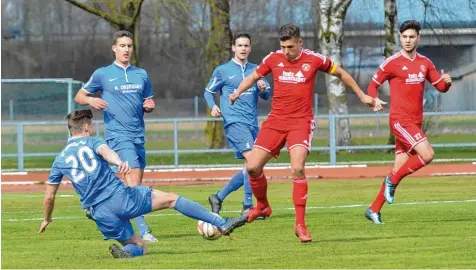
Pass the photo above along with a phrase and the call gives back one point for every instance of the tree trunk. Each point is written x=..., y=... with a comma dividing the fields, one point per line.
x=391, y=37
x=126, y=18
x=218, y=51
x=331, y=34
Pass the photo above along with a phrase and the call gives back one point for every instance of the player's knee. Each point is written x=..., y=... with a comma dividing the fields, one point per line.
x=171, y=199
x=297, y=171
x=254, y=169
x=428, y=155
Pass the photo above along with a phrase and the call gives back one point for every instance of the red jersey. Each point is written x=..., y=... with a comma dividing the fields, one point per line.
x=293, y=82
x=406, y=78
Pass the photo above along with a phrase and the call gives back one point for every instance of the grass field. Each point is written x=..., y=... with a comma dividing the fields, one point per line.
x=431, y=225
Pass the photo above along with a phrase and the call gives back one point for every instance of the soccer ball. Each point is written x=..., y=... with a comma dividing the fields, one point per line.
x=208, y=231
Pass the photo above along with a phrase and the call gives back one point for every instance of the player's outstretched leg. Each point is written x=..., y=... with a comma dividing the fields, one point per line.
x=162, y=200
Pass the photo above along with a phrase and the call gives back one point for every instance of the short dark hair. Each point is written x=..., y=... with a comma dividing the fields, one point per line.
x=410, y=24
x=122, y=33
x=289, y=31
x=241, y=35
x=77, y=119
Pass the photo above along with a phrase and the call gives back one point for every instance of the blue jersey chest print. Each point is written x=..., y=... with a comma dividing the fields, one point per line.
x=226, y=79
x=124, y=89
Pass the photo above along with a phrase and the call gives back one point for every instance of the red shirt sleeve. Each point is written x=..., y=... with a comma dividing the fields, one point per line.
x=326, y=65
x=378, y=79
x=435, y=78
x=265, y=67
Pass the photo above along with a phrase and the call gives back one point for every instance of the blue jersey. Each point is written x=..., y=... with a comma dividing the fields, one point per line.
x=124, y=89
x=226, y=79
x=89, y=172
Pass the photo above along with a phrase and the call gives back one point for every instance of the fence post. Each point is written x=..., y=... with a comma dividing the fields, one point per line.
x=21, y=167
x=10, y=107
x=176, y=157
x=97, y=128
x=316, y=107
x=195, y=104
x=332, y=139
x=70, y=96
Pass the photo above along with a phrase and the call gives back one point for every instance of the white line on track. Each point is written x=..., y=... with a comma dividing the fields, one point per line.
x=279, y=209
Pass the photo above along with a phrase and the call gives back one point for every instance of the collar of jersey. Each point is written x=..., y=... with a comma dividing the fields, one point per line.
x=121, y=67
x=244, y=65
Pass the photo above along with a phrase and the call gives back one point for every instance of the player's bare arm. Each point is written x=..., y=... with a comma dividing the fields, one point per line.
x=345, y=77
x=244, y=85
x=49, y=205
x=112, y=157
x=83, y=98
x=149, y=105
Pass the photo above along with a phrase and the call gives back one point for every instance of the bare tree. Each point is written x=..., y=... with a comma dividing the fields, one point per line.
x=218, y=51
x=124, y=16
x=331, y=34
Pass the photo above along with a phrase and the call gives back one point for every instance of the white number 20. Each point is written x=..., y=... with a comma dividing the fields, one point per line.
x=87, y=160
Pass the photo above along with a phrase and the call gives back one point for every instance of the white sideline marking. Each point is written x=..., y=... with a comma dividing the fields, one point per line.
x=14, y=173
x=453, y=174
x=279, y=209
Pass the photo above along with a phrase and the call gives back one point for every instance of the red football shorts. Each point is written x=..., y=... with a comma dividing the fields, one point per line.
x=407, y=136
x=275, y=133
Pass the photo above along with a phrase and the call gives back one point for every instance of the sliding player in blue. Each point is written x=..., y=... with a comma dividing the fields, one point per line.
x=110, y=203
x=241, y=119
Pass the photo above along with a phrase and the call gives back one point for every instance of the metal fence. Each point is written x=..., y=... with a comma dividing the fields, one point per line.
x=21, y=140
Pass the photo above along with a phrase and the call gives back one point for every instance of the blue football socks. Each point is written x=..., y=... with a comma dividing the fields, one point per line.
x=195, y=210
x=235, y=183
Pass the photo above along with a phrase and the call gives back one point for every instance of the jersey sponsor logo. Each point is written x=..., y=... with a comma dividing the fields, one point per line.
x=404, y=68
x=128, y=88
x=113, y=79
x=291, y=77
x=423, y=68
x=306, y=67
x=414, y=78
x=281, y=64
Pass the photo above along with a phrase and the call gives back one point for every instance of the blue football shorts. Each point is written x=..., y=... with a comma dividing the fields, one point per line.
x=131, y=150
x=113, y=216
x=241, y=137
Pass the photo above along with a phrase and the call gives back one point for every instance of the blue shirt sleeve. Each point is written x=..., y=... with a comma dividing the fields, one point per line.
x=94, y=84
x=216, y=82
x=266, y=94
x=98, y=141
x=209, y=98
x=148, y=92
x=55, y=176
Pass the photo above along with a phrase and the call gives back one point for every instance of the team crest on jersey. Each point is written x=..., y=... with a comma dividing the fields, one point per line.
x=291, y=77
x=306, y=67
x=423, y=68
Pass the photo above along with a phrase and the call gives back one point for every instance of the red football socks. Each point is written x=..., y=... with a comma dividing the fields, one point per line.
x=300, y=188
x=259, y=186
x=413, y=164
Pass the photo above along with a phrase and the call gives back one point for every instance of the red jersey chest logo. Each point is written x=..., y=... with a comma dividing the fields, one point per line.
x=292, y=73
x=413, y=74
